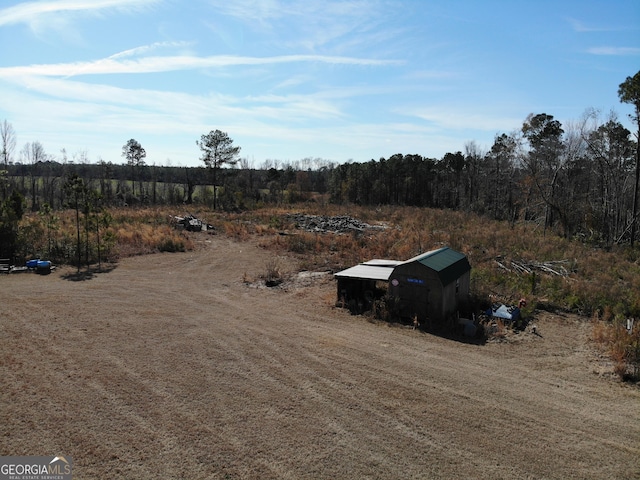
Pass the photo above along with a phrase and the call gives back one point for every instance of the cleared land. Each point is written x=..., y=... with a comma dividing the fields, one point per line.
x=170, y=366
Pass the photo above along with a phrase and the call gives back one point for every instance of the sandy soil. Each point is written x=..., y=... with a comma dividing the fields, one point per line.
x=171, y=366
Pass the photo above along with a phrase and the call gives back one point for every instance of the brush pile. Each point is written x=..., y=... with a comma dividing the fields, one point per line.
x=192, y=224
x=335, y=224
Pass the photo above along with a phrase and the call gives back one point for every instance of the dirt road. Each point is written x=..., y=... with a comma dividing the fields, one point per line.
x=170, y=366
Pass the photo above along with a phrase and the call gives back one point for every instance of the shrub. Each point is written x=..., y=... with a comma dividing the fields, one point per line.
x=172, y=244
x=273, y=274
x=236, y=229
x=620, y=340
x=302, y=242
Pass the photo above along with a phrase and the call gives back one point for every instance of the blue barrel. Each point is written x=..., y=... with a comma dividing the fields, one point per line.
x=43, y=267
x=32, y=263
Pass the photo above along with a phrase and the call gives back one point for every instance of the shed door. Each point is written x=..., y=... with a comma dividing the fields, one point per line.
x=415, y=301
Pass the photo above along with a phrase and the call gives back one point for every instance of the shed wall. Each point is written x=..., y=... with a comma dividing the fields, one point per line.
x=420, y=292
x=455, y=294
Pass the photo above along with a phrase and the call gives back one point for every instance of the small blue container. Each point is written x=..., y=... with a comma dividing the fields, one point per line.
x=32, y=263
x=43, y=267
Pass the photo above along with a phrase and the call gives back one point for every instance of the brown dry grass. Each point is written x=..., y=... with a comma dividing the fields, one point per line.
x=127, y=232
x=172, y=366
x=620, y=344
x=598, y=279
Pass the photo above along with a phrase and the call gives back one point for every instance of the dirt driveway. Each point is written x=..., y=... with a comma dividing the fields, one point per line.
x=170, y=366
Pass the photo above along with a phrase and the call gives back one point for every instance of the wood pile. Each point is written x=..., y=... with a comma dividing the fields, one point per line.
x=555, y=267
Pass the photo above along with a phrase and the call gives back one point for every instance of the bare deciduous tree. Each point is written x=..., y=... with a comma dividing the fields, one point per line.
x=7, y=142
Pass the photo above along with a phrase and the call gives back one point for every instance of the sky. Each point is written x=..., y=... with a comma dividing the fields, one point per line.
x=342, y=81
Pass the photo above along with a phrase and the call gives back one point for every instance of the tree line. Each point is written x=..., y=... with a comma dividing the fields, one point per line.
x=576, y=180
x=579, y=180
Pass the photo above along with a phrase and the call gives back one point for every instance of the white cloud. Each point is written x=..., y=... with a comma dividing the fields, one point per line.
x=250, y=11
x=161, y=111
x=312, y=24
x=420, y=75
x=113, y=64
x=582, y=27
x=30, y=12
x=614, y=51
x=132, y=52
x=455, y=118
x=274, y=126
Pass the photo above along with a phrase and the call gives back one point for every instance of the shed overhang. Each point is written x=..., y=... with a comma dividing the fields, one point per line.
x=369, y=271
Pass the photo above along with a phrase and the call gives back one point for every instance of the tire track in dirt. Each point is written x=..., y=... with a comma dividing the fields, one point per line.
x=171, y=365
x=327, y=397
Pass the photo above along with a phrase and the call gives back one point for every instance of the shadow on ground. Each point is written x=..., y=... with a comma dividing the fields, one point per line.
x=88, y=273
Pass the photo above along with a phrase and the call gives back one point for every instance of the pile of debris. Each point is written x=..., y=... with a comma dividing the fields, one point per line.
x=337, y=224
x=192, y=224
x=557, y=267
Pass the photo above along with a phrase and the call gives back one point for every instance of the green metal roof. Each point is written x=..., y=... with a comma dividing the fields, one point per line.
x=449, y=264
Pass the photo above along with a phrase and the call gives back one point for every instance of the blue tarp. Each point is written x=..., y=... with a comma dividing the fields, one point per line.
x=504, y=312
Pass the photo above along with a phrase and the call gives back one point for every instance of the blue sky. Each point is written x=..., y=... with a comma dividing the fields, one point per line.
x=348, y=80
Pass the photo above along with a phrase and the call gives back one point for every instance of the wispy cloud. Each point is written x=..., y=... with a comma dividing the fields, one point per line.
x=144, y=49
x=419, y=75
x=451, y=119
x=615, y=51
x=174, y=108
x=30, y=12
x=582, y=27
x=160, y=115
x=250, y=11
x=312, y=24
x=116, y=64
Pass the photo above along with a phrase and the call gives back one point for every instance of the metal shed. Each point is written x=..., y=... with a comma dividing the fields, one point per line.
x=430, y=286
